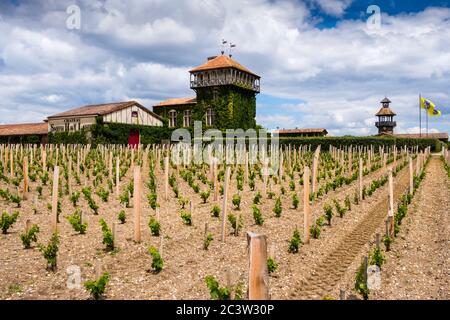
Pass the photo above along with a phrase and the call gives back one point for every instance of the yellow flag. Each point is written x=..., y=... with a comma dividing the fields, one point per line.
x=430, y=107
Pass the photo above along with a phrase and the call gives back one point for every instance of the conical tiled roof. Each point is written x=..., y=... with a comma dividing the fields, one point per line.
x=385, y=112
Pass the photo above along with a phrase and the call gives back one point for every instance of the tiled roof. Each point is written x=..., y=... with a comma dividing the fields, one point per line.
x=99, y=109
x=176, y=101
x=300, y=131
x=385, y=112
x=438, y=135
x=24, y=129
x=221, y=62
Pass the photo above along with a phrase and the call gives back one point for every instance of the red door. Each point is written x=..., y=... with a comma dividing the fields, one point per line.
x=133, y=138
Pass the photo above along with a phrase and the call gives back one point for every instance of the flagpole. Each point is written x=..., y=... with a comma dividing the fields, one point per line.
x=427, y=121
x=420, y=116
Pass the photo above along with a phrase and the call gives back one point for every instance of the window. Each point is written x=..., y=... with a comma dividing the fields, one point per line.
x=134, y=114
x=172, y=118
x=209, y=117
x=187, y=118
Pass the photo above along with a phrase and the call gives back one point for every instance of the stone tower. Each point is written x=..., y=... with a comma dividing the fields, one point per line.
x=226, y=93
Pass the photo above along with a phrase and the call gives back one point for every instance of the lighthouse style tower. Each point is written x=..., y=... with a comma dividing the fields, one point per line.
x=385, y=123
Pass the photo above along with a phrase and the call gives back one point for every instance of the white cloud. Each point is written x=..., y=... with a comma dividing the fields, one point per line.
x=334, y=7
x=143, y=50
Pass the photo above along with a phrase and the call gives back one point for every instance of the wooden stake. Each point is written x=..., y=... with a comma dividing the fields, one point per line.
x=117, y=176
x=55, y=200
x=360, y=179
x=306, y=206
x=258, y=281
x=224, y=203
x=137, y=204
x=25, y=178
x=314, y=169
x=166, y=178
x=411, y=176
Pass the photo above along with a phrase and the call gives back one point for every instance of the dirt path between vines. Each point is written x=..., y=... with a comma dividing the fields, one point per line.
x=324, y=278
x=418, y=267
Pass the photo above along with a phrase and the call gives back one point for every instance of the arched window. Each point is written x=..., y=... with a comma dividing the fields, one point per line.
x=172, y=118
x=187, y=118
x=209, y=117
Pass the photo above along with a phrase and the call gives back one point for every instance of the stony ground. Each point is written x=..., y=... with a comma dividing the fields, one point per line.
x=418, y=267
x=23, y=274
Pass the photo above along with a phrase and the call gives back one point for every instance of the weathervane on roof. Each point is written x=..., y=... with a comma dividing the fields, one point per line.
x=232, y=45
x=222, y=46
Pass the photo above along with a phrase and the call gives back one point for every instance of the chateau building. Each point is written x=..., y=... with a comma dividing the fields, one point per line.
x=225, y=97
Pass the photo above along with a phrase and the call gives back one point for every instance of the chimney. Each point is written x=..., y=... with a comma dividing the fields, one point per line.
x=212, y=57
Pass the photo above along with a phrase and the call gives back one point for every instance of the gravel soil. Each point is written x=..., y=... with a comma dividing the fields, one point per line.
x=23, y=274
x=418, y=264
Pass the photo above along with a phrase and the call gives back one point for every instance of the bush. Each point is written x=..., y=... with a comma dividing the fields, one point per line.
x=125, y=199
x=278, y=208
x=328, y=213
x=50, y=252
x=360, y=283
x=217, y=292
x=29, y=236
x=237, y=201
x=215, y=211
x=340, y=210
x=97, y=288
x=257, y=198
x=315, y=230
x=76, y=223
x=183, y=202
x=207, y=241
x=294, y=242
x=157, y=261
x=74, y=197
x=205, y=195
x=152, y=200
x=15, y=199
x=292, y=185
x=272, y=265
x=7, y=221
x=155, y=226
x=387, y=242
x=122, y=216
x=257, y=216
x=103, y=194
x=295, y=201
x=236, y=225
x=108, y=237
x=186, y=217
x=376, y=257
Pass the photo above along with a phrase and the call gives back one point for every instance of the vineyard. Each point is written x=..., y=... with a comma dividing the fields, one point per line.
x=115, y=222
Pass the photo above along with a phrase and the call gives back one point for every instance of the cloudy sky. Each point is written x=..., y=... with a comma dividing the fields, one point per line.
x=323, y=63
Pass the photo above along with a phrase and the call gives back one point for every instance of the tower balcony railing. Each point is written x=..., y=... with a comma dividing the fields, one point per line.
x=385, y=124
x=218, y=82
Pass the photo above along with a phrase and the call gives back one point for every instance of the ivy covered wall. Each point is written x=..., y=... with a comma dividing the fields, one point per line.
x=234, y=107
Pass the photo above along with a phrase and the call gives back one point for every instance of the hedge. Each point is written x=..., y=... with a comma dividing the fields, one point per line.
x=103, y=133
x=32, y=139
x=344, y=141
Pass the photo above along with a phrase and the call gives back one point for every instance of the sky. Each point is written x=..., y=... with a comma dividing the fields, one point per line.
x=323, y=63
